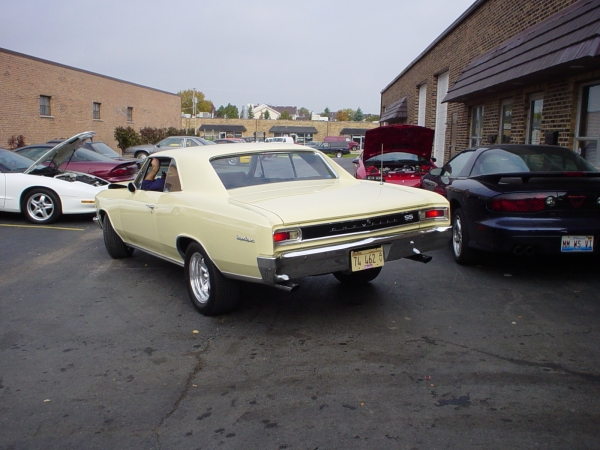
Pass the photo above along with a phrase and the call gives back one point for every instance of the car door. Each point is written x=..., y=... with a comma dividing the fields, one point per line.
x=2, y=190
x=440, y=179
x=137, y=213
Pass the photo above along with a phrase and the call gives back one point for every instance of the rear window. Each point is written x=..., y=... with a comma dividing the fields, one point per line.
x=254, y=169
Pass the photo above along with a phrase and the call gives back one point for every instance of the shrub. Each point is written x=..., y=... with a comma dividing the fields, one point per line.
x=126, y=137
x=16, y=142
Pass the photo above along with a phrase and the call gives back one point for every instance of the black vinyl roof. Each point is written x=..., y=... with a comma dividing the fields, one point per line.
x=564, y=44
x=354, y=131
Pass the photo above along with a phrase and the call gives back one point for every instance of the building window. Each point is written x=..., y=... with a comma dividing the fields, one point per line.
x=588, y=132
x=45, y=105
x=129, y=114
x=476, y=126
x=534, y=120
x=506, y=121
x=422, y=105
x=96, y=111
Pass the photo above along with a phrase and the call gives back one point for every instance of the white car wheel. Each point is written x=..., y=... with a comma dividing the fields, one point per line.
x=141, y=155
x=339, y=154
x=42, y=206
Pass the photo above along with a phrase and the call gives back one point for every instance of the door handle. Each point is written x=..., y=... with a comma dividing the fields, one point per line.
x=150, y=206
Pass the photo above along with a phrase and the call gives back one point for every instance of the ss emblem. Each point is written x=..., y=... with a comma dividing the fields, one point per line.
x=408, y=217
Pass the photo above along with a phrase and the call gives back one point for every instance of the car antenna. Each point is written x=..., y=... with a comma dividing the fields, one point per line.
x=381, y=169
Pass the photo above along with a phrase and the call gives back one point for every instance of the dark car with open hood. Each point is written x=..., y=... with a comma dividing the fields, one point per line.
x=524, y=199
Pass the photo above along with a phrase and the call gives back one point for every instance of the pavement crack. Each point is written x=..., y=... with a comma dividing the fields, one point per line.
x=521, y=362
x=188, y=385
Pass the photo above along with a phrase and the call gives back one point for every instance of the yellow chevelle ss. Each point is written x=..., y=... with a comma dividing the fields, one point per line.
x=288, y=212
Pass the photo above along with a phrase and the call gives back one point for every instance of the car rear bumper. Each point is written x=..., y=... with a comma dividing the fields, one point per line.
x=336, y=258
x=534, y=236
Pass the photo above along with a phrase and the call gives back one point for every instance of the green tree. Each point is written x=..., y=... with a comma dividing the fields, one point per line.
x=126, y=137
x=372, y=118
x=285, y=116
x=358, y=115
x=304, y=112
x=267, y=115
x=187, y=105
x=326, y=112
x=250, y=112
x=229, y=112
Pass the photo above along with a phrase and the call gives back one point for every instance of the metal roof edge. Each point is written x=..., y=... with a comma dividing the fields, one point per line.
x=470, y=10
x=35, y=58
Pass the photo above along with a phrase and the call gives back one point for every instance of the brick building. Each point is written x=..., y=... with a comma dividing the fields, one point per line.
x=507, y=71
x=44, y=100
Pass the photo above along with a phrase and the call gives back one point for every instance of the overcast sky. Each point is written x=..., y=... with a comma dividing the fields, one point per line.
x=307, y=53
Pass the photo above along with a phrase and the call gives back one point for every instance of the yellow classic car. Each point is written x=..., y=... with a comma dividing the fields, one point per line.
x=291, y=212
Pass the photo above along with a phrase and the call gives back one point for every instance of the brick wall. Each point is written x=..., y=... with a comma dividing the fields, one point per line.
x=23, y=79
x=492, y=23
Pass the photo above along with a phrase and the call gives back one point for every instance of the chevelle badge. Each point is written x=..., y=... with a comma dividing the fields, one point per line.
x=246, y=239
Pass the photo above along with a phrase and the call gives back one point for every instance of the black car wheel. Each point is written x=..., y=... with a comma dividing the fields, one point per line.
x=357, y=278
x=210, y=292
x=115, y=246
x=41, y=206
x=463, y=254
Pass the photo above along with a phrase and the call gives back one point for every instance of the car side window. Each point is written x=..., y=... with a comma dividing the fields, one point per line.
x=191, y=143
x=455, y=166
x=172, y=181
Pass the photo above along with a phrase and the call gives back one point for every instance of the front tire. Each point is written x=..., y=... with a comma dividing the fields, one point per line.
x=463, y=254
x=42, y=206
x=141, y=155
x=357, y=278
x=115, y=246
x=339, y=154
x=211, y=293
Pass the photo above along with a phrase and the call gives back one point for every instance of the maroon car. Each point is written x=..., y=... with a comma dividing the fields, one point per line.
x=88, y=161
x=399, y=154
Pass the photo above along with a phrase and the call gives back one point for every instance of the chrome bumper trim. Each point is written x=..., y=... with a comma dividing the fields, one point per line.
x=336, y=258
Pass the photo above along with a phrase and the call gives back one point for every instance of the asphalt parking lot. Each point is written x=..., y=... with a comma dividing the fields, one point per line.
x=102, y=353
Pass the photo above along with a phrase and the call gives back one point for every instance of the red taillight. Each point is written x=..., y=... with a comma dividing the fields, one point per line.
x=433, y=213
x=119, y=171
x=518, y=204
x=281, y=236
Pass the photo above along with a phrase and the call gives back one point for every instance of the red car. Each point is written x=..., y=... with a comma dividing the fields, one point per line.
x=399, y=154
x=88, y=161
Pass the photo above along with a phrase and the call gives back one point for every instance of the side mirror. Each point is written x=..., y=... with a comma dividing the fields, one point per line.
x=434, y=159
x=355, y=161
x=436, y=172
x=131, y=187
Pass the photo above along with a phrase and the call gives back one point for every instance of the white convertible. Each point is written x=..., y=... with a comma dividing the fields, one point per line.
x=41, y=190
x=285, y=212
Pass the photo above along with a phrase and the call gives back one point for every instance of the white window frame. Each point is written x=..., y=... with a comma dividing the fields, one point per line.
x=476, y=136
x=422, y=105
x=45, y=105
x=579, y=140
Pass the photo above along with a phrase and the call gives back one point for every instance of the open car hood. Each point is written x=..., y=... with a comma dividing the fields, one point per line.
x=399, y=138
x=62, y=153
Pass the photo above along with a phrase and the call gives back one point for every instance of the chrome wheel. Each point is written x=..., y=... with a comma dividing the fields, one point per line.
x=457, y=236
x=40, y=206
x=141, y=155
x=199, y=278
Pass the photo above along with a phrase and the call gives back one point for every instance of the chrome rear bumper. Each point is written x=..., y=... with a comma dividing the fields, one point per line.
x=336, y=258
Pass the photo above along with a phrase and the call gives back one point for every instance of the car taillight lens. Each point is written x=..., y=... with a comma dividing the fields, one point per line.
x=119, y=171
x=434, y=214
x=280, y=237
x=519, y=203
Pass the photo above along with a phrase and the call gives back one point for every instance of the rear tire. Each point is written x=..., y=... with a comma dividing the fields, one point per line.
x=141, y=155
x=357, y=278
x=115, y=246
x=41, y=206
x=211, y=293
x=463, y=254
x=339, y=154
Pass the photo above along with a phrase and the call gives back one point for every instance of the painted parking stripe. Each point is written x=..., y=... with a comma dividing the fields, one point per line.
x=40, y=226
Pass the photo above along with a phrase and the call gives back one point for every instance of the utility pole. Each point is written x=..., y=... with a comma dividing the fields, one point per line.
x=194, y=101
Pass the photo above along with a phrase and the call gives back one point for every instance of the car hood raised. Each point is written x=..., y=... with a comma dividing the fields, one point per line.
x=399, y=138
x=321, y=202
x=62, y=153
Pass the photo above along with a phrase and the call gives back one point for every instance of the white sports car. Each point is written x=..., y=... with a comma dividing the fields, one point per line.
x=43, y=192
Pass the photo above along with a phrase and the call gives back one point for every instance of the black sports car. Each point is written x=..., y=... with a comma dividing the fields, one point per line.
x=525, y=199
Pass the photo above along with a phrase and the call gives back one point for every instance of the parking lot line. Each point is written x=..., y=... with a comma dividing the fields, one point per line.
x=40, y=226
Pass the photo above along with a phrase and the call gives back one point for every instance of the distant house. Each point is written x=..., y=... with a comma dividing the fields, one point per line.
x=260, y=111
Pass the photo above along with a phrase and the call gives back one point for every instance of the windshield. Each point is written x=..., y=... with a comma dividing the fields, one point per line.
x=271, y=167
x=13, y=162
x=83, y=154
x=530, y=159
x=392, y=157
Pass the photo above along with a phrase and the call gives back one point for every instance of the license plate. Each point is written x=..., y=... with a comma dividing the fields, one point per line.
x=366, y=259
x=577, y=244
